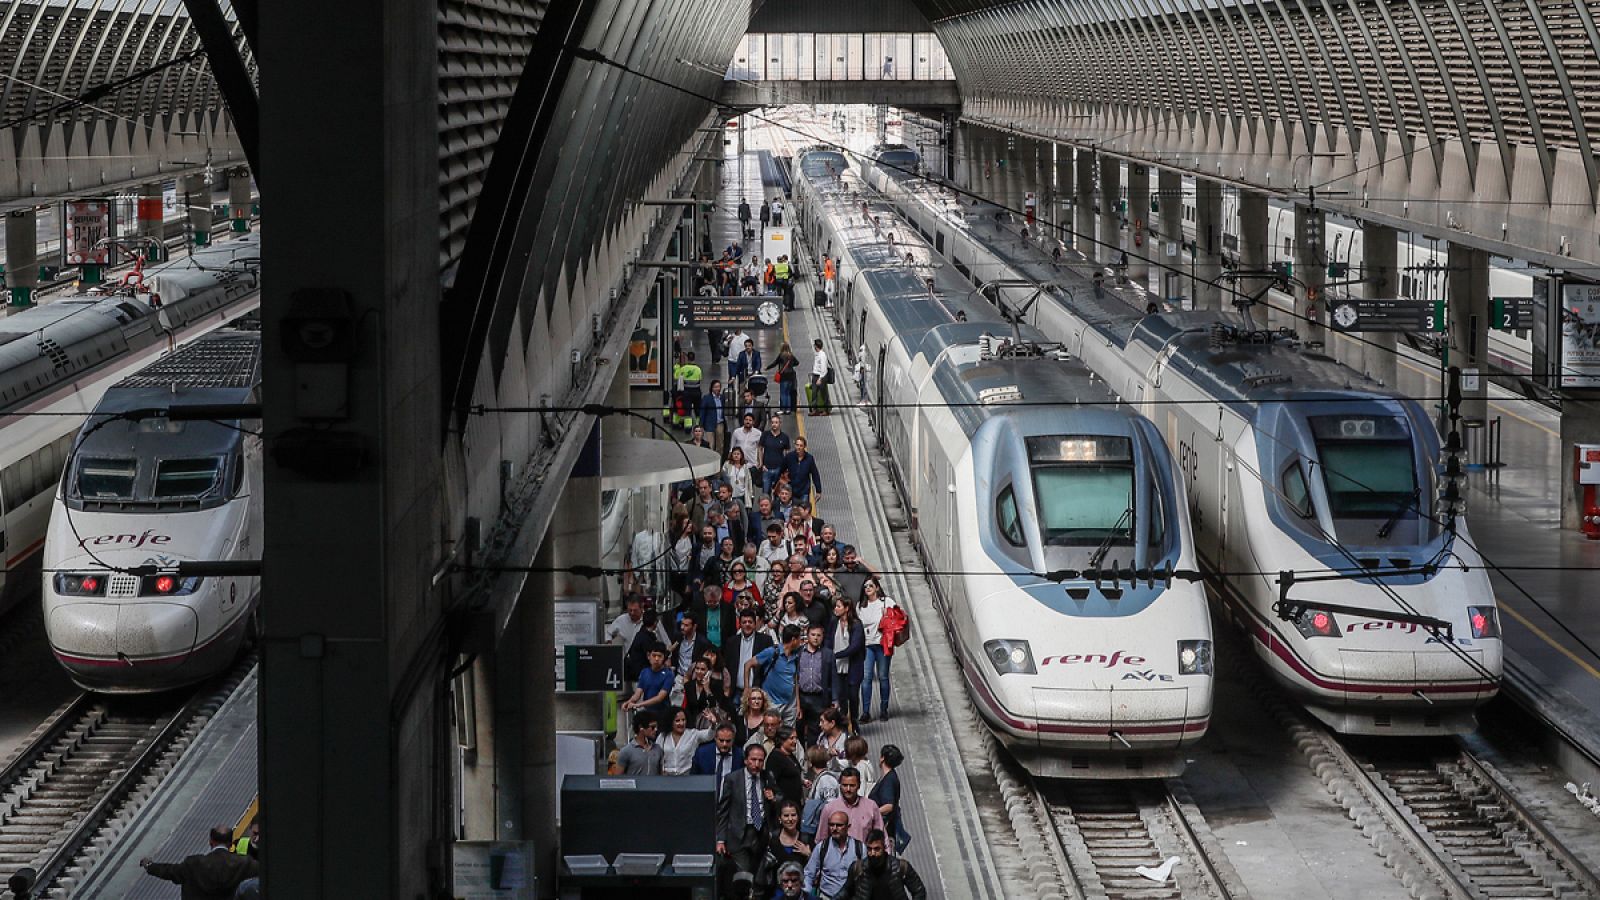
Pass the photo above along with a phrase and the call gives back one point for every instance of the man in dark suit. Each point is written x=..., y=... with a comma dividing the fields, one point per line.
x=213, y=875
x=716, y=758
x=691, y=644
x=744, y=811
x=746, y=643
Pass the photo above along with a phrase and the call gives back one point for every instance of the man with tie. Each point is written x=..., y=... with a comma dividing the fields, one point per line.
x=716, y=758
x=742, y=812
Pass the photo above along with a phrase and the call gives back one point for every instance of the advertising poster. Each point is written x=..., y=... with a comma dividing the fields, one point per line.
x=88, y=222
x=1580, y=335
x=644, y=347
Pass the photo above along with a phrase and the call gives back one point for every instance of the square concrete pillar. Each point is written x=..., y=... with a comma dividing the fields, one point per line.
x=1380, y=247
x=1467, y=281
x=1255, y=255
x=1208, y=245
x=1310, y=272
x=1110, y=247
x=1139, y=224
x=1171, y=268
x=1083, y=205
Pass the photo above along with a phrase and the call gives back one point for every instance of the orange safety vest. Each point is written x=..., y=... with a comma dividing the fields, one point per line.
x=827, y=270
x=770, y=277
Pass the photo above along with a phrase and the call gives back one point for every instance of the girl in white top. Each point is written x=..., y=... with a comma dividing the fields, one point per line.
x=870, y=611
x=736, y=472
x=679, y=744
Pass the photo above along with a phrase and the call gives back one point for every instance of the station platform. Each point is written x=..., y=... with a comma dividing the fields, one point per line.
x=214, y=783
x=950, y=847
x=1549, y=575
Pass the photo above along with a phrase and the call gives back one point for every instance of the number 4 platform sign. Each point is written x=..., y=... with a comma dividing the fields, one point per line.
x=593, y=667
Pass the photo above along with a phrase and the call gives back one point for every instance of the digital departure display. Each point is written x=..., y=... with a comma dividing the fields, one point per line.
x=1080, y=449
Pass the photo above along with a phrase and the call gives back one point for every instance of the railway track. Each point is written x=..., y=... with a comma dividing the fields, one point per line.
x=1117, y=836
x=81, y=767
x=1473, y=834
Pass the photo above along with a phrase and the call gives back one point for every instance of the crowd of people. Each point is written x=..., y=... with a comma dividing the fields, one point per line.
x=759, y=644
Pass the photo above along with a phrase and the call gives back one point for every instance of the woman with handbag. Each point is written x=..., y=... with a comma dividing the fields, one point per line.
x=783, y=368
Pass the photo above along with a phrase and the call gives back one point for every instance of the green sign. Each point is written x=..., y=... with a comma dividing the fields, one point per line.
x=1511, y=313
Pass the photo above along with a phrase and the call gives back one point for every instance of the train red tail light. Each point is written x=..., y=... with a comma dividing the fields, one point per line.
x=1313, y=623
x=168, y=585
x=1485, y=621
x=69, y=584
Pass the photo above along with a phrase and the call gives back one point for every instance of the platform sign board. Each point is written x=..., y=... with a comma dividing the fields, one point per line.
x=577, y=623
x=723, y=312
x=591, y=668
x=1580, y=335
x=1358, y=314
x=1511, y=313
x=87, y=224
x=492, y=870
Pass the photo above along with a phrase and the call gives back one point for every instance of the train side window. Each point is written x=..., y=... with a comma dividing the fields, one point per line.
x=1288, y=246
x=1007, y=517
x=1295, y=491
x=11, y=485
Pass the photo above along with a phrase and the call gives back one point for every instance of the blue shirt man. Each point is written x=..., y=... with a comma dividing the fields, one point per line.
x=779, y=683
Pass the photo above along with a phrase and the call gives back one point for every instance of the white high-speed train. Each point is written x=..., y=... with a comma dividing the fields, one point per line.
x=158, y=491
x=1294, y=464
x=56, y=360
x=1016, y=462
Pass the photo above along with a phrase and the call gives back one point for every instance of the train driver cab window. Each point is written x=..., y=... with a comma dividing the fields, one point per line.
x=1084, y=486
x=1296, y=493
x=1006, y=516
x=186, y=478
x=1368, y=466
x=100, y=478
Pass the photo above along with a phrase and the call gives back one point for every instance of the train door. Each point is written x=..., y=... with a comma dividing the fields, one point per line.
x=878, y=395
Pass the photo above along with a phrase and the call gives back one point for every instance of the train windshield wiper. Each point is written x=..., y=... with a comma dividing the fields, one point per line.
x=1399, y=510
x=1105, y=545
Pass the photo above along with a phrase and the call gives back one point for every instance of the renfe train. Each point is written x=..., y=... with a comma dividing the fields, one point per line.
x=1298, y=469
x=56, y=360
x=1018, y=462
x=142, y=490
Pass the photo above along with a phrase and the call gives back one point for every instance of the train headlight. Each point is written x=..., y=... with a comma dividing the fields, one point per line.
x=1485, y=621
x=1194, y=658
x=168, y=585
x=69, y=584
x=1010, y=657
x=1317, y=623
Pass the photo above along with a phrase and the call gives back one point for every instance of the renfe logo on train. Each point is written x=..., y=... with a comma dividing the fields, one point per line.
x=131, y=541
x=1117, y=658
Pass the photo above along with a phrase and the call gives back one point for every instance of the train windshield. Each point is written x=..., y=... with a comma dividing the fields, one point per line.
x=179, y=478
x=1368, y=466
x=1084, y=487
x=107, y=479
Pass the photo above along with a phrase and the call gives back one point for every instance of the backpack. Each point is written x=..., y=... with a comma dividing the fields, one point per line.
x=811, y=815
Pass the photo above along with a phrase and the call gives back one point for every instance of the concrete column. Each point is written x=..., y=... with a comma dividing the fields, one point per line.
x=1014, y=173
x=239, y=199
x=22, y=255
x=152, y=212
x=195, y=195
x=1254, y=254
x=1208, y=246
x=1467, y=280
x=1110, y=220
x=1061, y=203
x=1309, y=271
x=1169, y=193
x=1138, y=224
x=1380, y=248
x=1083, y=205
